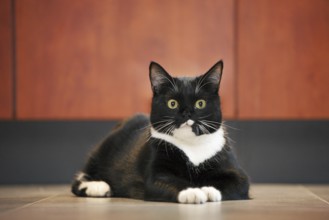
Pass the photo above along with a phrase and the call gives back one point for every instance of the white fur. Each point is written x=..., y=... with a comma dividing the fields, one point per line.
x=192, y=196
x=190, y=122
x=197, y=148
x=80, y=176
x=95, y=188
x=212, y=193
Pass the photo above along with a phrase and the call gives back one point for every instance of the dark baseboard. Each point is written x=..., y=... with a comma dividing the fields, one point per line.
x=50, y=152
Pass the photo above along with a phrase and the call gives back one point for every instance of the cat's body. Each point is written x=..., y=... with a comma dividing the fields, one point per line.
x=178, y=154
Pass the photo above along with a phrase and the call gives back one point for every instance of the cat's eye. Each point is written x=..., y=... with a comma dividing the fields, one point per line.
x=172, y=104
x=200, y=104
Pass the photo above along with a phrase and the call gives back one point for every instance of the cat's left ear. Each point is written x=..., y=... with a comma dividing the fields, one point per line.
x=212, y=78
x=159, y=77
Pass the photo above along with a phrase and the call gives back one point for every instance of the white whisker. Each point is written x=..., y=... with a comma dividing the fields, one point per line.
x=144, y=128
x=162, y=121
x=166, y=116
x=228, y=126
x=205, y=116
x=203, y=129
x=214, y=122
x=208, y=125
x=164, y=126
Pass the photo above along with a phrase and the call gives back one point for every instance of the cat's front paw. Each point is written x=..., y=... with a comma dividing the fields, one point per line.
x=192, y=196
x=213, y=195
x=95, y=188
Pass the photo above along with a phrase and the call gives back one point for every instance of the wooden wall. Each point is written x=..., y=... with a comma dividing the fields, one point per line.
x=90, y=58
x=283, y=59
x=82, y=59
x=6, y=61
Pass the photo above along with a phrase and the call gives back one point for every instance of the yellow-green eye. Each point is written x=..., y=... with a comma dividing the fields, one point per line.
x=172, y=104
x=200, y=104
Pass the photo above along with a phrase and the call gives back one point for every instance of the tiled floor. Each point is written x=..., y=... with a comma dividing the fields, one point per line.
x=277, y=202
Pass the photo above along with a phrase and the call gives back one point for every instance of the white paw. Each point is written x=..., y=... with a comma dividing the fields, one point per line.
x=192, y=196
x=96, y=188
x=212, y=193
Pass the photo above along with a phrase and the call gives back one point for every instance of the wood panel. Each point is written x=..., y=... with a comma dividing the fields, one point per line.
x=6, y=50
x=282, y=61
x=89, y=59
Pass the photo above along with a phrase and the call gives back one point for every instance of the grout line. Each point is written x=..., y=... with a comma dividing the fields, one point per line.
x=315, y=195
x=26, y=205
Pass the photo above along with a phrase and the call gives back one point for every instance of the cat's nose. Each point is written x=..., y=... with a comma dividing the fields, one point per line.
x=187, y=114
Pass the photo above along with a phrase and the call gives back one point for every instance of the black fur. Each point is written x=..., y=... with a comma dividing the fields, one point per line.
x=136, y=165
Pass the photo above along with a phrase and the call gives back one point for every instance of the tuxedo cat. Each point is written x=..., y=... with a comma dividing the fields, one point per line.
x=178, y=154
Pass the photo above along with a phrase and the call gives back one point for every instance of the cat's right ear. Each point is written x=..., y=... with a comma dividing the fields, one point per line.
x=159, y=77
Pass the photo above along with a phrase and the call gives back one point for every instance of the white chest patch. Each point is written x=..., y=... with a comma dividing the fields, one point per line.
x=197, y=148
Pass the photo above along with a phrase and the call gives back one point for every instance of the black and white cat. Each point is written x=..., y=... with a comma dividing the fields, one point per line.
x=178, y=154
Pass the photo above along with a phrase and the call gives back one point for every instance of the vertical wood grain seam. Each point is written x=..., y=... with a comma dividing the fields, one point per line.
x=236, y=58
x=13, y=62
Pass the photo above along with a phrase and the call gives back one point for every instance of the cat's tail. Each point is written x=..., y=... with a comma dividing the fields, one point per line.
x=84, y=186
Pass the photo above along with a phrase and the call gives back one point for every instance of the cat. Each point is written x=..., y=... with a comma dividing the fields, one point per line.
x=179, y=153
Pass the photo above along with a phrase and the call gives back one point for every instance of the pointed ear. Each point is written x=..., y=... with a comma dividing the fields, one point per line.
x=159, y=77
x=212, y=78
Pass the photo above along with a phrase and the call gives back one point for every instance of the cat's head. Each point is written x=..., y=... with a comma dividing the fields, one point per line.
x=187, y=102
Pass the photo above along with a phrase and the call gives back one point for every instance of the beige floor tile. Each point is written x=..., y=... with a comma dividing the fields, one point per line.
x=322, y=191
x=269, y=202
